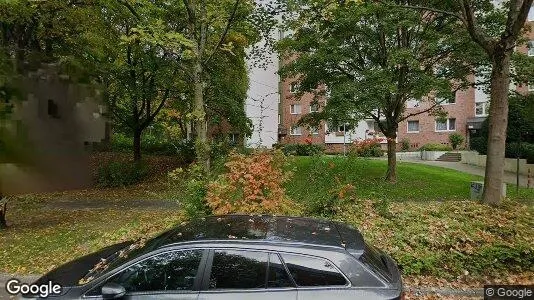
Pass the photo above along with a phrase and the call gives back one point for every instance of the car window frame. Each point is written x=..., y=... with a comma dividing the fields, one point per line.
x=99, y=282
x=348, y=283
x=209, y=264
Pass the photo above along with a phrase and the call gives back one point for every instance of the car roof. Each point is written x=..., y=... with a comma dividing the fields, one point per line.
x=263, y=228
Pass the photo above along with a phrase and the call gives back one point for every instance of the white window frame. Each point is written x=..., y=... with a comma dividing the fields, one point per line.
x=293, y=87
x=293, y=110
x=293, y=129
x=279, y=119
x=448, y=123
x=485, y=109
x=314, y=111
x=408, y=126
x=314, y=130
x=530, y=48
x=444, y=101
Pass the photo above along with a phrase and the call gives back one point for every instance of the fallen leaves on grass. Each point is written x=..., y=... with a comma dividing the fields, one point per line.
x=461, y=241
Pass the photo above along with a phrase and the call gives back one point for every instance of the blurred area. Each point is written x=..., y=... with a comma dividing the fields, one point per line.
x=46, y=137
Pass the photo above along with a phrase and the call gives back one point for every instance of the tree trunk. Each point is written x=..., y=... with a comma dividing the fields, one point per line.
x=201, y=128
x=498, y=122
x=137, y=145
x=3, y=212
x=391, y=175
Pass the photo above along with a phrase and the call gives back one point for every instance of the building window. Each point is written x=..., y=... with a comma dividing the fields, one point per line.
x=446, y=125
x=314, y=130
x=345, y=127
x=530, y=47
x=293, y=87
x=279, y=119
x=234, y=138
x=294, y=109
x=296, y=130
x=531, y=14
x=481, y=109
x=446, y=101
x=412, y=103
x=314, y=107
x=413, y=126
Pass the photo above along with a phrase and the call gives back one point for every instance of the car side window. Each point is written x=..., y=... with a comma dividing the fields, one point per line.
x=168, y=271
x=238, y=270
x=310, y=271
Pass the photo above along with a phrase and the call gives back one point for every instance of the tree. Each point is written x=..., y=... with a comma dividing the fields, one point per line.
x=215, y=29
x=372, y=59
x=496, y=28
x=145, y=70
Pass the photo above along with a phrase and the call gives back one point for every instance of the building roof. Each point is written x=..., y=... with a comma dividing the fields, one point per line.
x=270, y=229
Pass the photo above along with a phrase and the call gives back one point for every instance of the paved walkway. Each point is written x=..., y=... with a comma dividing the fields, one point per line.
x=509, y=177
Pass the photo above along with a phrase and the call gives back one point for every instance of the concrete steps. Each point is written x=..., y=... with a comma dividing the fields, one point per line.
x=450, y=156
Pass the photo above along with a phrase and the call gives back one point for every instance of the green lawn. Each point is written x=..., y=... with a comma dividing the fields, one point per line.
x=315, y=177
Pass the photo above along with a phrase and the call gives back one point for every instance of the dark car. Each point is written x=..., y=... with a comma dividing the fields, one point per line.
x=236, y=257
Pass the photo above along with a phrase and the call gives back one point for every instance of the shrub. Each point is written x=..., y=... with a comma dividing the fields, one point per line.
x=332, y=203
x=151, y=144
x=302, y=149
x=527, y=151
x=456, y=140
x=405, y=144
x=192, y=186
x=367, y=148
x=252, y=184
x=435, y=147
x=121, y=174
x=479, y=144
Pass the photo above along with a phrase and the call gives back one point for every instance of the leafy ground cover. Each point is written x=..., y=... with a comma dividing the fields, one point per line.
x=44, y=233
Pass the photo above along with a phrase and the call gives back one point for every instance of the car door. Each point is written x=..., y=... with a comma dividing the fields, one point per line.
x=174, y=274
x=246, y=274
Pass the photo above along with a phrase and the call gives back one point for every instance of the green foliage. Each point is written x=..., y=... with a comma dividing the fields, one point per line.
x=155, y=145
x=520, y=123
x=435, y=147
x=479, y=144
x=302, y=149
x=191, y=188
x=118, y=173
x=456, y=140
x=526, y=151
x=405, y=144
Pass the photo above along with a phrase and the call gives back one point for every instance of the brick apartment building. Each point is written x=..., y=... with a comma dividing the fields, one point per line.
x=465, y=116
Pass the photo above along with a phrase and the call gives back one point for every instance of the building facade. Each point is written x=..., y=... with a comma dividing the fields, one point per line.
x=465, y=115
